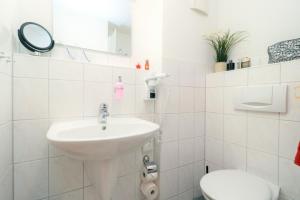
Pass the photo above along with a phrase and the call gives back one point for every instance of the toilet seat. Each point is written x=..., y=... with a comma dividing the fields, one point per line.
x=236, y=185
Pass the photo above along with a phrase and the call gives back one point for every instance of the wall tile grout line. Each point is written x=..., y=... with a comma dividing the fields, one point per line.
x=12, y=125
x=48, y=66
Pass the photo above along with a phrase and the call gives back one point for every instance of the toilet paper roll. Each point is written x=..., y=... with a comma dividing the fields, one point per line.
x=150, y=190
x=146, y=178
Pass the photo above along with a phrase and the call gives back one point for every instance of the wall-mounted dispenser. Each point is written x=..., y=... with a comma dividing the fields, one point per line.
x=119, y=89
x=269, y=98
x=152, y=82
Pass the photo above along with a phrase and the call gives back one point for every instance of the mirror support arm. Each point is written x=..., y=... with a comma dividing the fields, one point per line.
x=69, y=53
x=85, y=56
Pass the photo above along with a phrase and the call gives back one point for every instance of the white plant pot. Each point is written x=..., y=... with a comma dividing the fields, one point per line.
x=220, y=66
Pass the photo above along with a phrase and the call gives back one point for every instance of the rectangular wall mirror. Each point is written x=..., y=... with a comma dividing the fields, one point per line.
x=101, y=25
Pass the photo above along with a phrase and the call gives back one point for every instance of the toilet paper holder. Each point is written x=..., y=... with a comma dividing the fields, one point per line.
x=149, y=176
x=150, y=166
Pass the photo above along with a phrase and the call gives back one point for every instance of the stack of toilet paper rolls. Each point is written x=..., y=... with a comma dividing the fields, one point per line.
x=148, y=177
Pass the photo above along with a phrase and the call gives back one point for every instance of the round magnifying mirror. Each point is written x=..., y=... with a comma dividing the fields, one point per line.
x=35, y=37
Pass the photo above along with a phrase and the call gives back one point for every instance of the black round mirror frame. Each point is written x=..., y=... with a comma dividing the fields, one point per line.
x=31, y=46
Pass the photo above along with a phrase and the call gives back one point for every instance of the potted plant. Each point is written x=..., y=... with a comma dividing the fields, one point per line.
x=222, y=44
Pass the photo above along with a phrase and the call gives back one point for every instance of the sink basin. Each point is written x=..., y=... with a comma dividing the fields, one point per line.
x=100, y=148
x=85, y=139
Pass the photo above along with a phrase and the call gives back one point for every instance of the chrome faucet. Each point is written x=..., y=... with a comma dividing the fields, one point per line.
x=103, y=113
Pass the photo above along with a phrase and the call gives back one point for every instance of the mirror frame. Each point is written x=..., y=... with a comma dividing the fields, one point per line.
x=31, y=46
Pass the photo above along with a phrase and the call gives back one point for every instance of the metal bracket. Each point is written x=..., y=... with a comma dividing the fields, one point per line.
x=69, y=53
x=146, y=159
x=85, y=56
x=150, y=166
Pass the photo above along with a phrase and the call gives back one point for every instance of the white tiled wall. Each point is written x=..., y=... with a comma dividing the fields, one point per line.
x=46, y=90
x=6, y=182
x=261, y=143
x=181, y=113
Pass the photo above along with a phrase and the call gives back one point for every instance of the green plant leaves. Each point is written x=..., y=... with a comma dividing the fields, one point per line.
x=223, y=43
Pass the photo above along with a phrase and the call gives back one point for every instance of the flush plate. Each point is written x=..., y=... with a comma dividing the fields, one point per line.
x=271, y=98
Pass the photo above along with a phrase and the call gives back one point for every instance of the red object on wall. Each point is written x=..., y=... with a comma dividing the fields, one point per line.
x=138, y=66
x=297, y=158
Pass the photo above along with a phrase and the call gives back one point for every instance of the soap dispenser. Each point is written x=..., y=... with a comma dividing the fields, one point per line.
x=119, y=89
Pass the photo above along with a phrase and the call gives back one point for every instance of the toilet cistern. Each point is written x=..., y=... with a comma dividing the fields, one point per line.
x=103, y=114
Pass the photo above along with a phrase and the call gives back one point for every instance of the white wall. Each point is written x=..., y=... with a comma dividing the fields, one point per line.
x=26, y=11
x=181, y=105
x=171, y=36
x=6, y=169
x=6, y=176
x=7, y=14
x=48, y=90
x=184, y=30
x=146, y=30
x=261, y=143
x=267, y=22
x=186, y=62
x=232, y=136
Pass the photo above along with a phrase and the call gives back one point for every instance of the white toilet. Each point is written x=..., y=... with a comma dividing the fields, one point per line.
x=237, y=185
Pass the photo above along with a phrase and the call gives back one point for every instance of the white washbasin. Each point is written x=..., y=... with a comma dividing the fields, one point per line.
x=100, y=149
x=85, y=139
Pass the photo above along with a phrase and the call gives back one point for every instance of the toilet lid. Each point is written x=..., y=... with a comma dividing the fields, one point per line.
x=234, y=185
